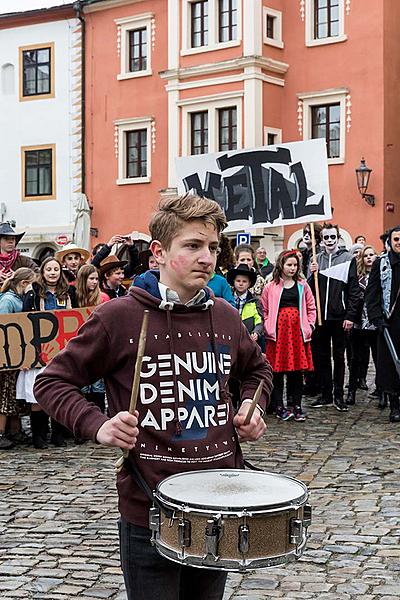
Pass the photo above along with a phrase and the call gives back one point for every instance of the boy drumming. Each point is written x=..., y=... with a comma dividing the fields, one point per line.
x=184, y=420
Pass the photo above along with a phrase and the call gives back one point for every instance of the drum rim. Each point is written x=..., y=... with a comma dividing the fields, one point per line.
x=180, y=503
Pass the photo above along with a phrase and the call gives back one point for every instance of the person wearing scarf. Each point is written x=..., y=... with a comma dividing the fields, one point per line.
x=11, y=258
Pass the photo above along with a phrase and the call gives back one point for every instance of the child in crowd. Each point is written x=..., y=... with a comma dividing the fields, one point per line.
x=72, y=258
x=12, y=292
x=242, y=278
x=51, y=291
x=112, y=275
x=244, y=254
x=88, y=293
x=289, y=318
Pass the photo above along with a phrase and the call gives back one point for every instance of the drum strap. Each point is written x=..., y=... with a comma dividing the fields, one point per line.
x=248, y=465
x=133, y=470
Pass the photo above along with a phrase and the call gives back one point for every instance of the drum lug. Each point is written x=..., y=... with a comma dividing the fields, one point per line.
x=154, y=520
x=296, y=531
x=184, y=533
x=244, y=543
x=213, y=534
x=307, y=515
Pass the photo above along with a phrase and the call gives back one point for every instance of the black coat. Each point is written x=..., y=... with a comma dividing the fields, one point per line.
x=386, y=375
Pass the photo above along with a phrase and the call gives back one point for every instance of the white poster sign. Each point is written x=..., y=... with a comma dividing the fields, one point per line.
x=270, y=186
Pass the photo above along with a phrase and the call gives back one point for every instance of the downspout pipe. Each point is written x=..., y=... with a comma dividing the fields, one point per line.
x=78, y=8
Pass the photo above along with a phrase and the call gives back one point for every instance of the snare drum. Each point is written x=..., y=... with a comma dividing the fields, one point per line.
x=230, y=519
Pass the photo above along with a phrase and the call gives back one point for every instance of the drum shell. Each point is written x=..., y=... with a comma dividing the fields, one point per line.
x=269, y=534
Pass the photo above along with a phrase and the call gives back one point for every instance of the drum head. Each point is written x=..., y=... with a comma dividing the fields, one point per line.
x=231, y=489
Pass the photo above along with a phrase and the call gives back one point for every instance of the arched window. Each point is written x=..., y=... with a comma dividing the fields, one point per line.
x=7, y=79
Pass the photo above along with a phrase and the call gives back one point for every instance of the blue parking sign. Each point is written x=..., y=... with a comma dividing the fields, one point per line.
x=243, y=238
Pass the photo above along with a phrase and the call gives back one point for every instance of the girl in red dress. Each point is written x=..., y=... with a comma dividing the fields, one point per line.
x=289, y=318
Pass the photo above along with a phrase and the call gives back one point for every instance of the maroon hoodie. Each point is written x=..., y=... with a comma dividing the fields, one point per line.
x=185, y=411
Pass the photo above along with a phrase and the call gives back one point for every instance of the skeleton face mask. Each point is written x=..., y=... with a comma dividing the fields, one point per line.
x=330, y=240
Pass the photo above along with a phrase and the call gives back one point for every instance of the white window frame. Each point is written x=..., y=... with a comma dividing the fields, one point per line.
x=324, y=98
x=124, y=126
x=309, y=26
x=126, y=25
x=273, y=131
x=211, y=104
x=213, y=43
x=276, y=41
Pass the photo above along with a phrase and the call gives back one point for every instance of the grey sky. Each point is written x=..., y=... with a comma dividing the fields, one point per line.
x=7, y=6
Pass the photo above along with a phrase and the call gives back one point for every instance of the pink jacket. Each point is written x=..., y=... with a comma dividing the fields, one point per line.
x=270, y=299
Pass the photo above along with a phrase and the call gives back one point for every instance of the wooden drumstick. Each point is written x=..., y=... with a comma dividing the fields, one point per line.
x=254, y=403
x=136, y=379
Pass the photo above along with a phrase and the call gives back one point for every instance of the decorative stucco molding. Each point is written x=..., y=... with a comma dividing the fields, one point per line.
x=300, y=117
x=348, y=112
x=119, y=40
x=348, y=6
x=302, y=9
x=76, y=112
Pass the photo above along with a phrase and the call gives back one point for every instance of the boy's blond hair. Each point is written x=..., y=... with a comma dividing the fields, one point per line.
x=175, y=212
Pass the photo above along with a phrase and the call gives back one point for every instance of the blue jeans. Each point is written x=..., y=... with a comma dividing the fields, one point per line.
x=149, y=576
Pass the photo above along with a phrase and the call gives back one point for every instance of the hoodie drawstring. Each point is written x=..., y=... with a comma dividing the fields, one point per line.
x=178, y=426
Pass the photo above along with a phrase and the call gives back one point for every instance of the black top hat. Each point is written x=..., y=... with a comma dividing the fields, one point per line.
x=241, y=269
x=7, y=230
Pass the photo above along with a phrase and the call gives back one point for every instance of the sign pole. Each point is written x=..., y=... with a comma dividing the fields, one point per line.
x=314, y=257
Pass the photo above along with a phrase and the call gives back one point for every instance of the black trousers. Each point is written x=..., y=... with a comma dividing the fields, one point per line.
x=331, y=339
x=363, y=341
x=149, y=576
x=294, y=388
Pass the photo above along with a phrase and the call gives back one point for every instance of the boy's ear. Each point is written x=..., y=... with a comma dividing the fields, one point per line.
x=158, y=251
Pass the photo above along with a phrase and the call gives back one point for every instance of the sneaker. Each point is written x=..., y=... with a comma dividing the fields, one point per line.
x=340, y=405
x=283, y=414
x=298, y=414
x=5, y=443
x=321, y=401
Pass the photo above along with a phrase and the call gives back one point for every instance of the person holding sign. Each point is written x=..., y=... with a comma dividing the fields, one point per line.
x=12, y=292
x=340, y=297
x=51, y=291
x=184, y=419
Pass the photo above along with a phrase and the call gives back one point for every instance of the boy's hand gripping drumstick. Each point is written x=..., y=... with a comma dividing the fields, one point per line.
x=136, y=379
x=254, y=403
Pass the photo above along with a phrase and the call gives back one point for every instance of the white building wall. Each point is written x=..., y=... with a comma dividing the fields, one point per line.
x=44, y=121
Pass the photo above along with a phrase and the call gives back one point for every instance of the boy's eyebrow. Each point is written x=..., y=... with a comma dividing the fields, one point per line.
x=200, y=240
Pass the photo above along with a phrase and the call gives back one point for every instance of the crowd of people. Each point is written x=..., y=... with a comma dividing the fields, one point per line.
x=276, y=302
x=224, y=322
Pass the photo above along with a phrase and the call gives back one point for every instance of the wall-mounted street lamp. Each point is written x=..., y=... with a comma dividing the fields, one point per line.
x=363, y=173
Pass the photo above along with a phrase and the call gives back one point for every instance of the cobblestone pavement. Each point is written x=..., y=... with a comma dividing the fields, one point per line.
x=58, y=536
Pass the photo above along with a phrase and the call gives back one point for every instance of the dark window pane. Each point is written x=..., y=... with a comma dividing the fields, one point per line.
x=199, y=23
x=270, y=27
x=271, y=137
x=326, y=18
x=136, y=153
x=43, y=56
x=36, y=72
x=199, y=132
x=326, y=124
x=38, y=172
x=137, y=50
x=227, y=118
x=227, y=20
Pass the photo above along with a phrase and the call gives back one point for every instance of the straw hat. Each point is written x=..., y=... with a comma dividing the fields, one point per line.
x=72, y=249
x=111, y=262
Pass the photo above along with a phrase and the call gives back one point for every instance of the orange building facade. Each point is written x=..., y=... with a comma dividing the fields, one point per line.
x=169, y=78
